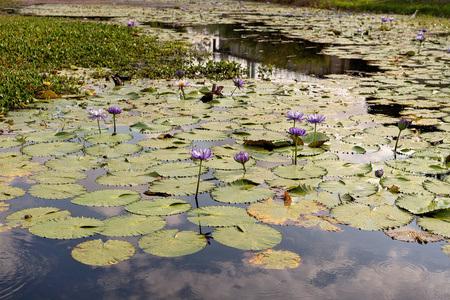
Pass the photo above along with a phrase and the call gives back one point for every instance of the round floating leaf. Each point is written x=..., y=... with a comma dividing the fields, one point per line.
x=97, y=253
x=159, y=207
x=421, y=204
x=412, y=235
x=435, y=186
x=435, y=225
x=130, y=225
x=118, y=150
x=113, y=197
x=418, y=165
x=31, y=216
x=363, y=217
x=379, y=198
x=73, y=163
x=20, y=169
x=13, y=157
x=299, y=172
x=356, y=188
x=275, y=212
x=172, y=243
x=127, y=178
x=248, y=236
x=164, y=143
x=276, y=260
x=59, y=191
x=8, y=192
x=366, y=140
x=57, y=177
x=177, y=121
x=259, y=135
x=49, y=136
x=68, y=228
x=446, y=249
x=226, y=163
x=343, y=169
x=221, y=126
x=322, y=222
x=180, y=186
x=254, y=174
x=178, y=169
x=52, y=149
x=109, y=138
x=169, y=154
x=240, y=191
x=407, y=184
x=150, y=128
x=202, y=135
x=222, y=216
x=10, y=142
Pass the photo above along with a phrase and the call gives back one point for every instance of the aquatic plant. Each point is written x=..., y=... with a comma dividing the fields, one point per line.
x=238, y=83
x=402, y=125
x=242, y=158
x=182, y=84
x=97, y=114
x=295, y=132
x=315, y=119
x=201, y=155
x=114, y=111
x=379, y=174
x=295, y=116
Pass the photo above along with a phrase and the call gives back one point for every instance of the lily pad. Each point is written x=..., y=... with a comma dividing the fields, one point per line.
x=99, y=253
x=56, y=191
x=202, y=135
x=344, y=169
x=130, y=225
x=68, y=228
x=299, y=172
x=412, y=235
x=112, y=151
x=248, y=236
x=73, y=163
x=180, y=186
x=127, y=178
x=178, y=169
x=418, y=165
x=435, y=186
x=421, y=204
x=254, y=174
x=52, y=149
x=159, y=207
x=150, y=128
x=222, y=216
x=364, y=217
x=8, y=192
x=49, y=136
x=226, y=163
x=164, y=143
x=31, y=216
x=172, y=243
x=241, y=191
x=112, y=197
x=109, y=138
x=57, y=177
x=276, y=259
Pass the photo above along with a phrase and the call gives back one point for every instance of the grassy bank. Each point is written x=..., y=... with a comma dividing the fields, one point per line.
x=31, y=47
x=440, y=8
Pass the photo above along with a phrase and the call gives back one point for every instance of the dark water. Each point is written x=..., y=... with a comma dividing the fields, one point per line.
x=252, y=47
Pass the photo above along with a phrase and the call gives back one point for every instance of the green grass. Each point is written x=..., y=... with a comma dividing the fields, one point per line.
x=31, y=46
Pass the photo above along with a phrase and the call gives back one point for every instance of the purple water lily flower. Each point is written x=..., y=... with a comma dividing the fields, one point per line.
x=403, y=124
x=114, y=110
x=97, y=114
x=379, y=173
x=295, y=115
x=383, y=19
x=201, y=154
x=131, y=23
x=297, y=131
x=315, y=118
x=180, y=74
x=239, y=83
x=242, y=158
x=391, y=19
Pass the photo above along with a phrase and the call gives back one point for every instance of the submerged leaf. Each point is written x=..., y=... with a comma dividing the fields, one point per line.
x=276, y=260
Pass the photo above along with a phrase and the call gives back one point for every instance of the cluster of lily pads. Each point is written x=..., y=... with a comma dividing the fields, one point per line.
x=351, y=177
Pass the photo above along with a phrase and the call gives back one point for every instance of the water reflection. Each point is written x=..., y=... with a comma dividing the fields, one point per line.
x=293, y=58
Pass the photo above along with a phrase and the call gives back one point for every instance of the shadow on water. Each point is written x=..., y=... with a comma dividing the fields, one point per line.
x=270, y=47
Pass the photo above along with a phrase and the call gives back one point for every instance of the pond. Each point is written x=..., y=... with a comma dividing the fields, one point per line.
x=331, y=242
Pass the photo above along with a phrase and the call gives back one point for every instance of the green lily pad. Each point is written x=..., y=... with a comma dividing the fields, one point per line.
x=99, y=253
x=277, y=213
x=164, y=143
x=73, y=163
x=221, y=216
x=68, y=228
x=10, y=142
x=343, y=169
x=254, y=174
x=421, y=204
x=177, y=121
x=112, y=197
x=202, y=135
x=381, y=197
x=356, y=188
x=435, y=225
x=407, y=184
x=31, y=216
x=299, y=172
x=56, y=191
x=435, y=186
x=52, y=149
x=109, y=138
x=221, y=126
x=57, y=177
x=150, y=128
x=130, y=225
x=412, y=235
x=276, y=260
x=172, y=243
x=112, y=151
x=180, y=186
x=127, y=178
x=418, y=165
x=226, y=163
x=20, y=169
x=8, y=192
x=248, y=236
x=241, y=191
x=363, y=217
x=13, y=157
x=169, y=154
x=159, y=207
x=49, y=136
x=178, y=169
